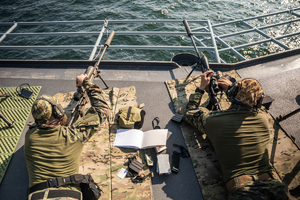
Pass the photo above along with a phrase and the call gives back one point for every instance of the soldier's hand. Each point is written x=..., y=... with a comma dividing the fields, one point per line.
x=205, y=79
x=80, y=79
x=224, y=83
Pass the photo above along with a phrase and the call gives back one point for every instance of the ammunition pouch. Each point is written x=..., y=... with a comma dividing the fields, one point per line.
x=134, y=170
x=136, y=166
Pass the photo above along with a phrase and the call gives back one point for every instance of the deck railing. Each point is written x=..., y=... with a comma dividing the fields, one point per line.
x=208, y=34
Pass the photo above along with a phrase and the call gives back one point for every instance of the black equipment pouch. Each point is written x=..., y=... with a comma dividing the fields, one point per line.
x=183, y=151
x=175, y=162
x=177, y=118
x=90, y=190
x=23, y=91
x=136, y=166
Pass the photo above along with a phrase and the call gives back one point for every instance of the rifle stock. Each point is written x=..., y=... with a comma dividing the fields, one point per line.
x=91, y=72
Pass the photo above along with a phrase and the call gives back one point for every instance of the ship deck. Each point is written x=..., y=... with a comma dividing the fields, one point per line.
x=278, y=74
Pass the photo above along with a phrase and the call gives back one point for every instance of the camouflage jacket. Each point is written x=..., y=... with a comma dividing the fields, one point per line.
x=196, y=115
x=54, y=151
x=240, y=136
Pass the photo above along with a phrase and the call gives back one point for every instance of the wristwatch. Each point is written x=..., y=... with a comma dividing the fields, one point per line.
x=199, y=90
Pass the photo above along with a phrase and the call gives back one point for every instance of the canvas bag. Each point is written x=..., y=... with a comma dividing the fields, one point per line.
x=131, y=117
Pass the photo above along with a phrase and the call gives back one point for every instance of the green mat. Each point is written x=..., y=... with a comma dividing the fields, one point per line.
x=17, y=110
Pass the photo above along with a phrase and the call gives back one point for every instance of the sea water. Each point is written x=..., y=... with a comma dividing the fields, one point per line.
x=217, y=11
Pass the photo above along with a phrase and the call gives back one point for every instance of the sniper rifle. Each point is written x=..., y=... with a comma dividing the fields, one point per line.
x=202, y=62
x=92, y=72
x=284, y=117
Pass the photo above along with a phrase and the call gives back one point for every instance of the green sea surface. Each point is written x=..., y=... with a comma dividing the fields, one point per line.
x=216, y=11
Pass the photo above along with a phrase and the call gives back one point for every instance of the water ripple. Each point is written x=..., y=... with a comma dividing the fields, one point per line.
x=217, y=11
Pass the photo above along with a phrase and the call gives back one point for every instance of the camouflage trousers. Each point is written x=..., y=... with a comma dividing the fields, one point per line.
x=55, y=194
x=260, y=190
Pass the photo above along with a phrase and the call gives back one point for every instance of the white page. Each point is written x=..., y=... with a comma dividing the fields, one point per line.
x=153, y=138
x=130, y=138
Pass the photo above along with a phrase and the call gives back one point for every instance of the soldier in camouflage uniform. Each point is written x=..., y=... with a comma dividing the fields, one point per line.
x=53, y=150
x=240, y=136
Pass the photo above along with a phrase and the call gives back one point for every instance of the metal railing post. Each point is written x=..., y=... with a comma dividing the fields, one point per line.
x=7, y=32
x=213, y=41
x=227, y=45
x=98, y=40
x=210, y=52
x=208, y=33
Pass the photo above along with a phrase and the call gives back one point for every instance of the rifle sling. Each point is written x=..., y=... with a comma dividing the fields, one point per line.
x=128, y=113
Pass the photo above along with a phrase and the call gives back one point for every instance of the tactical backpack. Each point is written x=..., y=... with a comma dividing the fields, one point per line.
x=131, y=117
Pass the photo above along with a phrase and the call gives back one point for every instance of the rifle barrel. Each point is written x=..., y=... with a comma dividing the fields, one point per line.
x=187, y=28
x=284, y=117
x=91, y=72
x=109, y=39
x=203, y=62
x=190, y=34
x=106, y=45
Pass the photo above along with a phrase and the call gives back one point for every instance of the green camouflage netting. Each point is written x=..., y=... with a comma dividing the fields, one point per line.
x=104, y=161
x=284, y=154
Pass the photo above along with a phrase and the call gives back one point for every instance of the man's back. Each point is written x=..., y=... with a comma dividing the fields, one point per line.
x=240, y=138
x=50, y=153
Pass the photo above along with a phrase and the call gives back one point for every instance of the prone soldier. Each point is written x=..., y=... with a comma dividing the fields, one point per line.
x=240, y=136
x=52, y=150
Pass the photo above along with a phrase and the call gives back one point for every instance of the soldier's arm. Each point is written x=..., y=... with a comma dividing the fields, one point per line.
x=195, y=100
x=84, y=128
x=194, y=114
x=97, y=99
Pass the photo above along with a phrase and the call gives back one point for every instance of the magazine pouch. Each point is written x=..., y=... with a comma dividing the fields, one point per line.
x=131, y=117
x=90, y=190
x=134, y=165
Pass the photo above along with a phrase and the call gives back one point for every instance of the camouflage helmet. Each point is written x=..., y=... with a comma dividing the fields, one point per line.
x=249, y=92
x=42, y=110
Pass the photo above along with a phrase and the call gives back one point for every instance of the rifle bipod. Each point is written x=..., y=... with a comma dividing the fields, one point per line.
x=202, y=63
x=98, y=75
